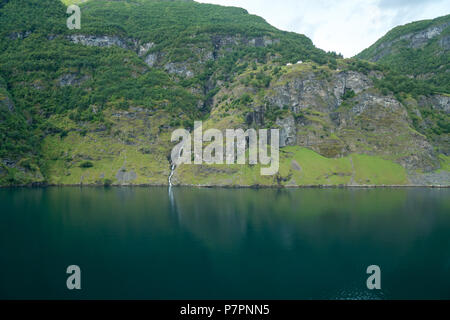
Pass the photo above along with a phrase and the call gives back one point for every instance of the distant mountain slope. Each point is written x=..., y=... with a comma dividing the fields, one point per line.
x=420, y=49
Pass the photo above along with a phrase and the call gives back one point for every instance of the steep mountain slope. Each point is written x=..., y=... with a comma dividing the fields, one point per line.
x=419, y=49
x=98, y=105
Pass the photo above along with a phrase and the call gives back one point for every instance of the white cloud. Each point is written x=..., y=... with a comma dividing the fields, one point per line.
x=345, y=26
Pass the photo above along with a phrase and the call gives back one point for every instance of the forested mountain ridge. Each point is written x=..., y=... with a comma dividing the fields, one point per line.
x=419, y=49
x=97, y=105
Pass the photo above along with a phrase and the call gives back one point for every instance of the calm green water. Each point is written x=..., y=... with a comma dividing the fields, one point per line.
x=141, y=243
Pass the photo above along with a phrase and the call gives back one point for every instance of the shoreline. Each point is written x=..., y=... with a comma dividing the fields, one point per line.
x=43, y=185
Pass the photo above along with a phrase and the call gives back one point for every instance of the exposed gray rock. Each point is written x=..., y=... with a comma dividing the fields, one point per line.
x=179, y=68
x=143, y=48
x=109, y=41
x=420, y=39
x=424, y=76
x=437, y=101
x=101, y=41
x=370, y=100
x=440, y=178
x=415, y=40
x=71, y=79
x=9, y=163
x=444, y=42
x=287, y=131
x=226, y=42
x=301, y=93
x=255, y=117
x=350, y=80
x=203, y=54
x=295, y=165
x=123, y=176
x=19, y=35
x=262, y=41
x=151, y=59
x=310, y=91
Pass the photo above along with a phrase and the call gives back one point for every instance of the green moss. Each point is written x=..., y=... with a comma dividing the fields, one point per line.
x=373, y=170
x=69, y=2
x=315, y=169
x=299, y=167
x=445, y=162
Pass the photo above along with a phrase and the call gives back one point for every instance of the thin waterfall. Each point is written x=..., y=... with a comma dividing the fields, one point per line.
x=172, y=170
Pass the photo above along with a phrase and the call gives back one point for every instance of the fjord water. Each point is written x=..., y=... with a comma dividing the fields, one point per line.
x=147, y=243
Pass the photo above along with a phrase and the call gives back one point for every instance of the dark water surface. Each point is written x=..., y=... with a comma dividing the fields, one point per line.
x=144, y=243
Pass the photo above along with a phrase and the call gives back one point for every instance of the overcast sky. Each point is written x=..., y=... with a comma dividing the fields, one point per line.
x=345, y=26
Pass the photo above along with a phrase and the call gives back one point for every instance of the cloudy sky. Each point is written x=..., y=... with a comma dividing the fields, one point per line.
x=345, y=26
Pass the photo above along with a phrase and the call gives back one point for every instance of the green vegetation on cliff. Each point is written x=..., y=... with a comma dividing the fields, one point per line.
x=419, y=49
x=416, y=57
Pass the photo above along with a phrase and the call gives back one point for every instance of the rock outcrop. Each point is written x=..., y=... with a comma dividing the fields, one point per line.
x=414, y=40
x=318, y=114
x=102, y=41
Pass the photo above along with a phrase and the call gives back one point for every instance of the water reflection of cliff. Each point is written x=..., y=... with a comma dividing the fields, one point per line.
x=211, y=215
x=320, y=218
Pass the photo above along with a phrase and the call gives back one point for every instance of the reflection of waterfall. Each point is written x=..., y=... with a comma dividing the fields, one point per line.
x=173, y=209
x=177, y=151
x=172, y=200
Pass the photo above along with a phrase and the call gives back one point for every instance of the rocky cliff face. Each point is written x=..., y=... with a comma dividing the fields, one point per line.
x=317, y=112
x=415, y=40
x=416, y=35
x=312, y=90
